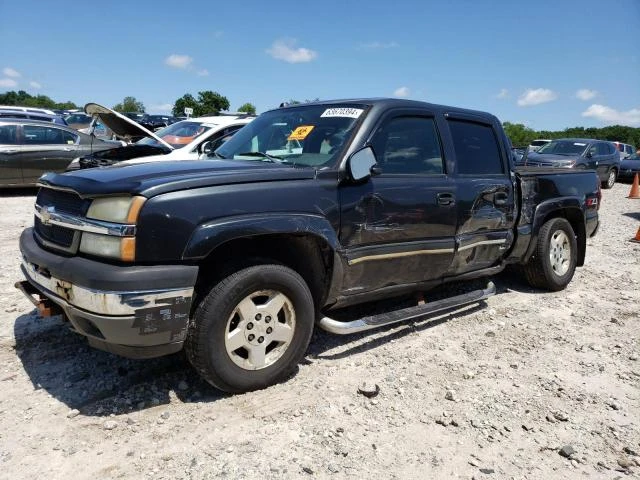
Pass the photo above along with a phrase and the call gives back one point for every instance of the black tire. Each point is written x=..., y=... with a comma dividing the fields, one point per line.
x=611, y=179
x=554, y=260
x=236, y=362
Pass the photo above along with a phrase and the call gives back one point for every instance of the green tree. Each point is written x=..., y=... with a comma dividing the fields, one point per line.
x=129, y=104
x=210, y=103
x=23, y=99
x=248, y=108
x=183, y=102
x=519, y=134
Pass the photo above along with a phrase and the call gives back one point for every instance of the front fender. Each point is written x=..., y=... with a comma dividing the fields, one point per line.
x=211, y=235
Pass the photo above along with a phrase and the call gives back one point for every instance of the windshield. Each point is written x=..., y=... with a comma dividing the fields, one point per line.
x=309, y=135
x=178, y=134
x=564, y=147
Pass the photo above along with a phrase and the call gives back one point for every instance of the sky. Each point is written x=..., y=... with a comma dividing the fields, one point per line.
x=546, y=64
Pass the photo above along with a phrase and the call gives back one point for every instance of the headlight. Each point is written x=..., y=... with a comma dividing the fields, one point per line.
x=120, y=210
x=116, y=209
x=121, y=248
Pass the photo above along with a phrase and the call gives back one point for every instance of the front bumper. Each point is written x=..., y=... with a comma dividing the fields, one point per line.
x=134, y=311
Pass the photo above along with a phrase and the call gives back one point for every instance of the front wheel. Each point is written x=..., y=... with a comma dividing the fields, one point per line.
x=251, y=329
x=611, y=179
x=554, y=260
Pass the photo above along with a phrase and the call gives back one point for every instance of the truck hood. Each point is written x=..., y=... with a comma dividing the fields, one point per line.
x=121, y=125
x=551, y=159
x=150, y=179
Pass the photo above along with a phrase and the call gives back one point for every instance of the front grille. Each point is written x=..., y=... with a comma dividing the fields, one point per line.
x=54, y=234
x=63, y=201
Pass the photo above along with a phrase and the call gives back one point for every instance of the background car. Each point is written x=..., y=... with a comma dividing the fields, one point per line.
x=156, y=122
x=78, y=120
x=587, y=153
x=29, y=148
x=629, y=167
x=27, y=109
x=536, y=144
x=625, y=149
x=41, y=117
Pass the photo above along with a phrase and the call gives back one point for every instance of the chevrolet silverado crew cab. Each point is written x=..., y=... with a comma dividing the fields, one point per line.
x=305, y=210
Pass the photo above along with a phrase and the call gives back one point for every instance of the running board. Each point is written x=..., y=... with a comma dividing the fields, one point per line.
x=405, y=314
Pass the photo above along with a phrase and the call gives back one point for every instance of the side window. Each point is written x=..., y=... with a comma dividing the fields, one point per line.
x=8, y=135
x=37, y=135
x=476, y=147
x=602, y=149
x=408, y=145
x=68, y=137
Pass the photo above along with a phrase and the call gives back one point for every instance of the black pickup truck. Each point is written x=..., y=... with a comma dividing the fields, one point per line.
x=308, y=209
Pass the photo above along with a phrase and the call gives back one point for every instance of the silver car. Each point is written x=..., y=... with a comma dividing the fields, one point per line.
x=29, y=148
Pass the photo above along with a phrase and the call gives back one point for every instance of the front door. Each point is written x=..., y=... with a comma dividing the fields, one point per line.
x=398, y=227
x=46, y=149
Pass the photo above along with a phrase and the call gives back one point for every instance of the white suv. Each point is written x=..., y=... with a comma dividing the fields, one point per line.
x=625, y=149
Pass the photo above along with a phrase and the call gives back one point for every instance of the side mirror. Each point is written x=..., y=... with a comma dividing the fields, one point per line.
x=361, y=164
x=207, y=148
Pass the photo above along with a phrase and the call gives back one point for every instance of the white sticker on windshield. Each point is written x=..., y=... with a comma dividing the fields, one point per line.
x=342, y=112
x=580, y=144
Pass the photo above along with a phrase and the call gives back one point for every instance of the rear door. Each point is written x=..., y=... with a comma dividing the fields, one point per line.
x=46, y=149
x=485, y=193
x=398, y=227
x=10, y=171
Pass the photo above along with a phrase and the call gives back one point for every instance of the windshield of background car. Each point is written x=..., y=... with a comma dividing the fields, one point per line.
x=178, y=134
x=308, y=135
x=564, y=147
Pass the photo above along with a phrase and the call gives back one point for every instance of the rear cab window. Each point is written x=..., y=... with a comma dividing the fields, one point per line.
x=476, y=147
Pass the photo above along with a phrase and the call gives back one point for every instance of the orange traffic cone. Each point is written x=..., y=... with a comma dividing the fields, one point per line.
x=635, y=188
x=637, y=237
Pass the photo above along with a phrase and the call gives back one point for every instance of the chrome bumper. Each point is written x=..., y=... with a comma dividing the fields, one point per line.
x=100, y=302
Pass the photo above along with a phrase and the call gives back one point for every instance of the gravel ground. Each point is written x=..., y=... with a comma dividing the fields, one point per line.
x=529, y=385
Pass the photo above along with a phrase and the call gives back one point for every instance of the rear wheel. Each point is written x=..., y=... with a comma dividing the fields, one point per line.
x=611, y=179
x=554, y=261
x=251, y=329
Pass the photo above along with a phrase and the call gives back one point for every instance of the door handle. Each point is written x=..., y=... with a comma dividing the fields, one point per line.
x=500, y=198
x=446, y=199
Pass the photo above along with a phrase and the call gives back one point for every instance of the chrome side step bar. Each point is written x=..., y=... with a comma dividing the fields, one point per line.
x=405, y=314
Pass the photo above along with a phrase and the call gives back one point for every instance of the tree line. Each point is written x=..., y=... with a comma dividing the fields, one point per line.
x=521, y=135
x=23, y=99
x=206, y=102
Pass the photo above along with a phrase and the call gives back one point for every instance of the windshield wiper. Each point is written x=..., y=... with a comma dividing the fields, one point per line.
x=263, y=156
